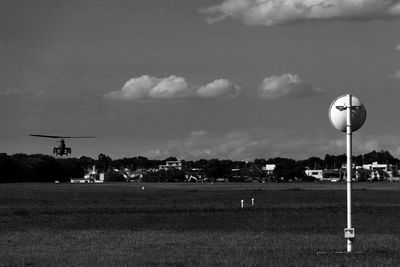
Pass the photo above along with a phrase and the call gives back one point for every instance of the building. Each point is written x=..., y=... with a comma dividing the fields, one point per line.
x=317, y=174
x=172, y=164
x=195, y=175
x=269, y=168
x=325, y=175
x=92, y=176
x=136, y=175
x=375, y=167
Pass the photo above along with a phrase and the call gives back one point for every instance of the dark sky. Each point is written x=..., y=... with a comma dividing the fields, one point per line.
x=197, y=79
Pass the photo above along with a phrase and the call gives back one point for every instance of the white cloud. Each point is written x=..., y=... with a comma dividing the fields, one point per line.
x=218, y=88
x=286, y=85
x=148, y=87
x=246, y=145
x=151, y=87
x=266, y=143
x=170, y=87
x=272, y=12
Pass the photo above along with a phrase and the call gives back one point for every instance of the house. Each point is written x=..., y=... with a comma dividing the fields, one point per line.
x=317, y=174
x=333, y=175
x=375, y=167
x=269, y=168
x=92, y=176
x=172, y=164
x=248, y=174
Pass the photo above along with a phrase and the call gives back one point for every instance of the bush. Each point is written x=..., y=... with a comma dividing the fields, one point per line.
x=172, y=175
x=113, y=176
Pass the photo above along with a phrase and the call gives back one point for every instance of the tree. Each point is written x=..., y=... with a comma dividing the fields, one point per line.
x=260, y=162
x=38, y=168
x=313, y=163
x=335, y=162
x=173, y=175
x=163, y=176
x=86, y=162
x=10, y=169
x=363, y=175
x=72, y=168
x=219, y=169
x=170, y=159
x=288, y=169
x=103, y=162
x=113, y=176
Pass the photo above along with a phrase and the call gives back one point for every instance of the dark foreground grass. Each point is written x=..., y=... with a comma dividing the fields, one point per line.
x=196, y=225
x=143, y=248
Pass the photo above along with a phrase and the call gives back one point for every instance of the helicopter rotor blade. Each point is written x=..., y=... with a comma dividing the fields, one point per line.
x=47, y=136
x=60, y=137
x=78, y=137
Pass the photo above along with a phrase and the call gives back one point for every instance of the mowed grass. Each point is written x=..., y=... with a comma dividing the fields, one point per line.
x=197, y=225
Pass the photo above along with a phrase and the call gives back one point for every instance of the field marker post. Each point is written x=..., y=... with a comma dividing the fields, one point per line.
x=349, y=169
x=252, y=201
x=242, y=203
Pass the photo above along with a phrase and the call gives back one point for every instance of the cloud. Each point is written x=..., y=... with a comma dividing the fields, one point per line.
x=246, y=145
x=286, y=85
x=397, y=48
x=219, y=88
x=266, y=143
x=369, y=146
x=272, y=12
x=396, y=75
x=171, y=87
x=203, y=144
x=148, y=87
x=10, y=91
x=151, y=87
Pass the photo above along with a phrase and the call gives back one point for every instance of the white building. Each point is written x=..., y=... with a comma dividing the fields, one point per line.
x=173, y=164
x=387, y=168
x=269, y=168
x=92, y=176
x=317, y=174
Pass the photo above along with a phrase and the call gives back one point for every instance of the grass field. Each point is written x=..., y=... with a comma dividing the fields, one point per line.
x=197, y=225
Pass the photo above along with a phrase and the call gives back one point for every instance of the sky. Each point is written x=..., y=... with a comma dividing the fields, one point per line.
x=233, y=79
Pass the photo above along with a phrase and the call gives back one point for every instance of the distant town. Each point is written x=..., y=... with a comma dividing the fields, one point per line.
x=371, y=167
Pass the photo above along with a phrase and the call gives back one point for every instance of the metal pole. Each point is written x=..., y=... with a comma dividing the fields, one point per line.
x=349, y=170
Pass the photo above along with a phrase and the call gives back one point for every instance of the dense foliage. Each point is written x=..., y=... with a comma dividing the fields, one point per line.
x=44, y=168
x=165, y=176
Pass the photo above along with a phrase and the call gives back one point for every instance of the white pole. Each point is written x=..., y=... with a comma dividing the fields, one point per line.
x=349, y=169
x=252, y=201
x=242, y=203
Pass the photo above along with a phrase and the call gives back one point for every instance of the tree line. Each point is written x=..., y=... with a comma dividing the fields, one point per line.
x=44, y=168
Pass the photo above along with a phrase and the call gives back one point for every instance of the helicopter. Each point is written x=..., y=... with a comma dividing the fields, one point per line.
x=62, y=149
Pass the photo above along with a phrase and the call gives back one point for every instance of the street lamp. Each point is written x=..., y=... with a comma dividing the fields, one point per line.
x=347, y=114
